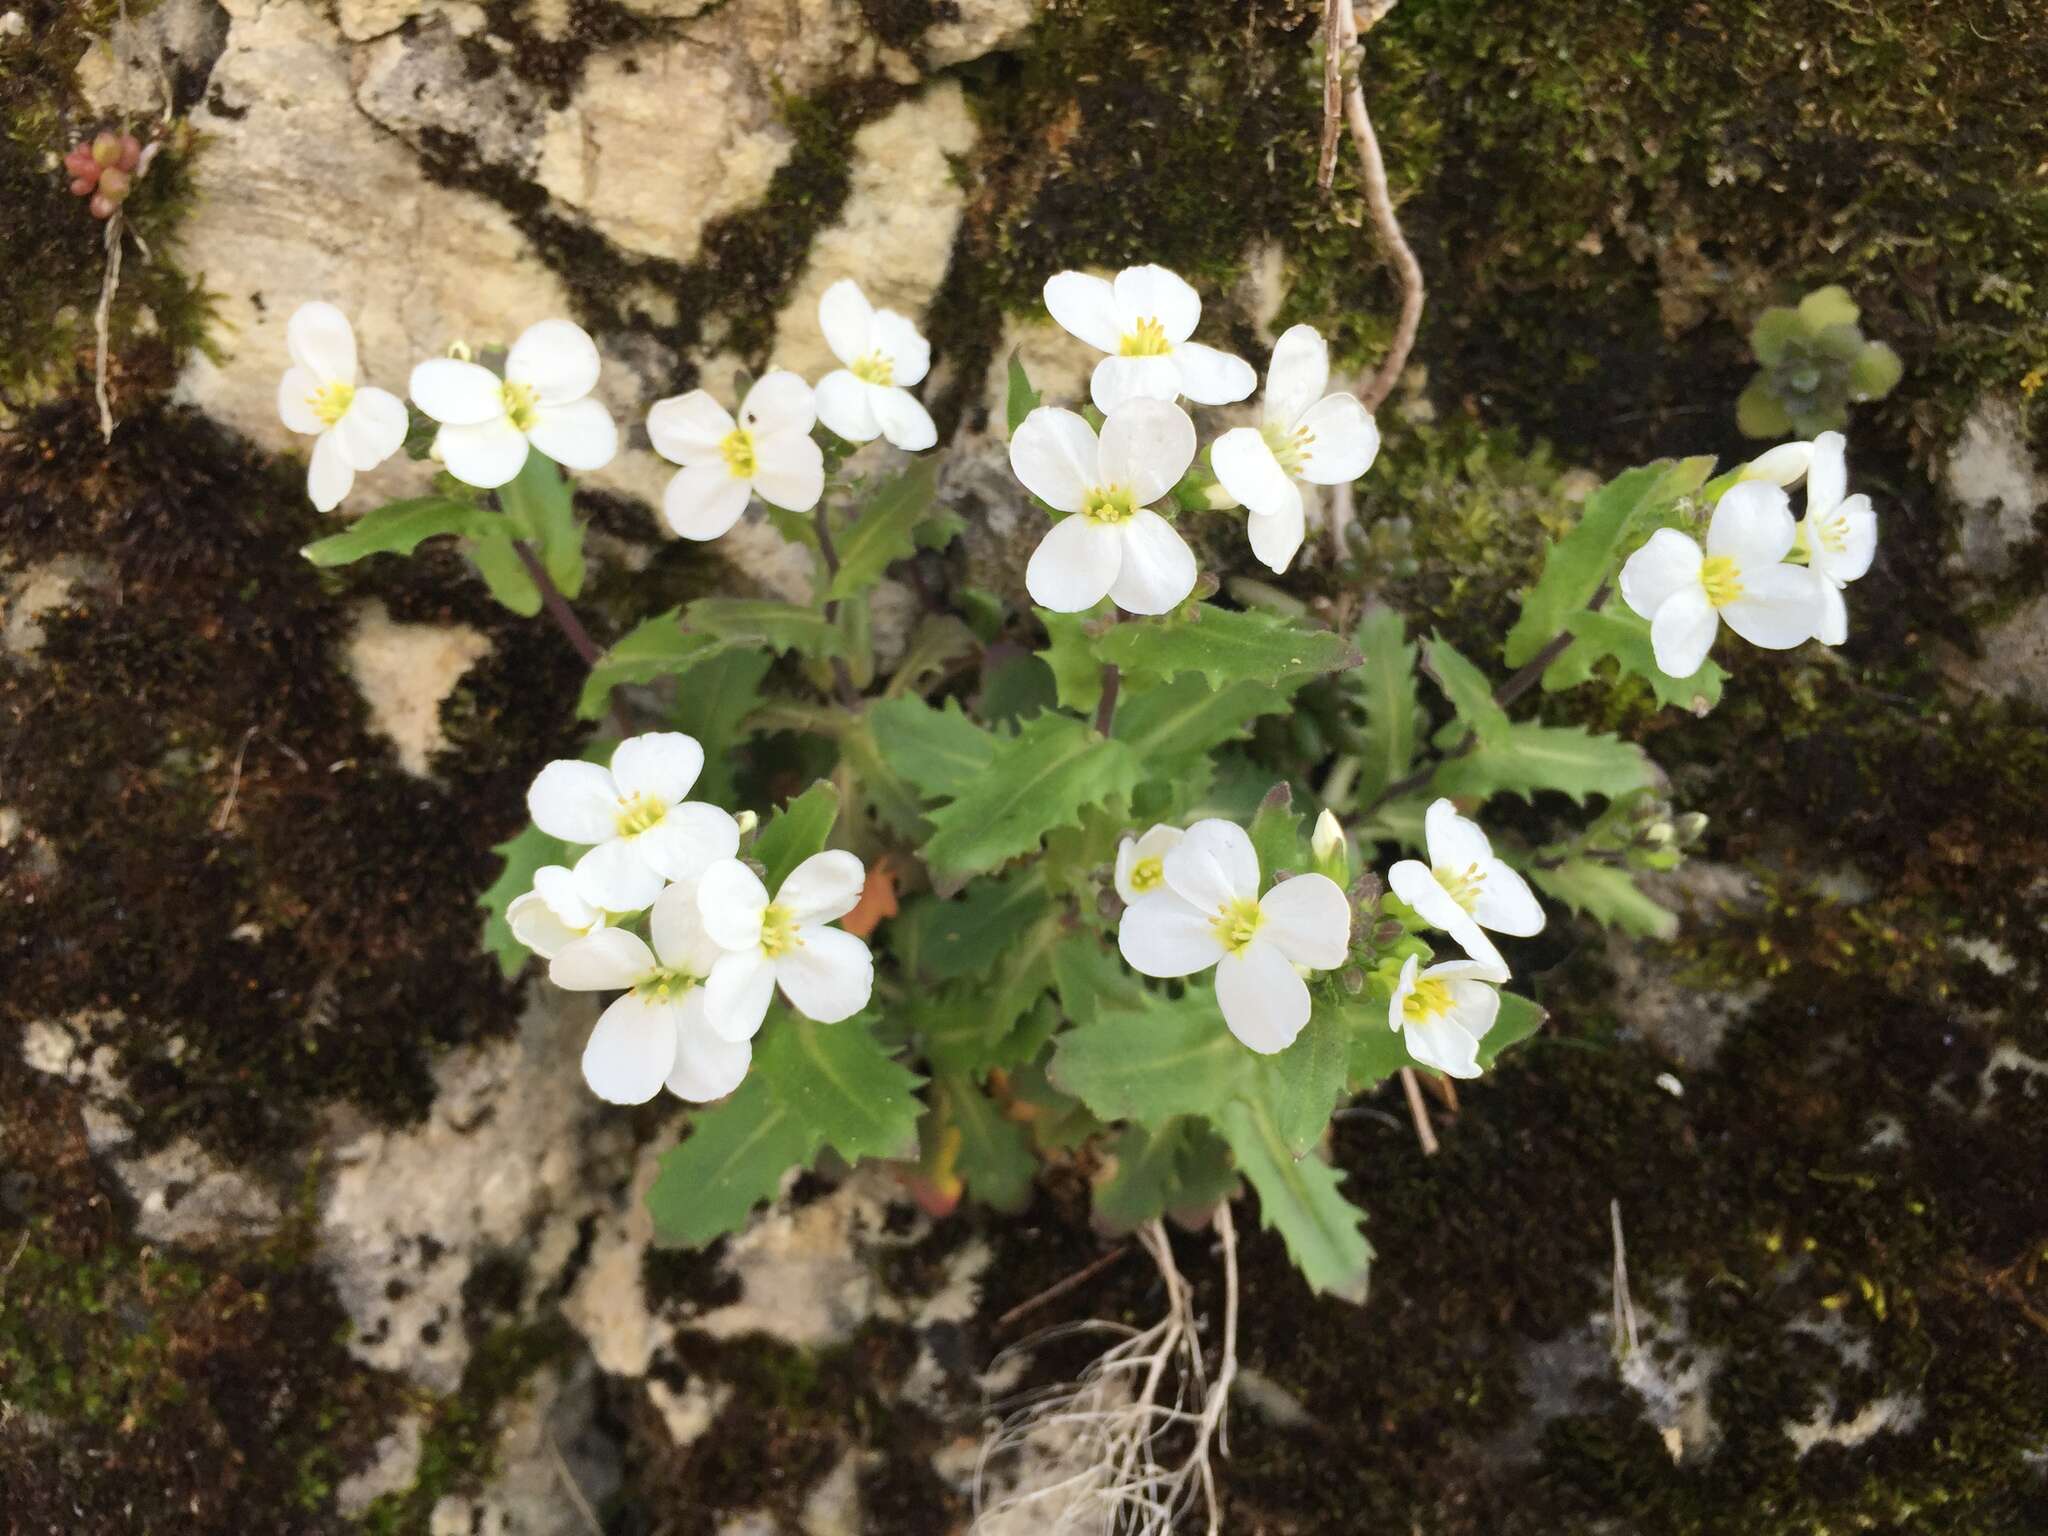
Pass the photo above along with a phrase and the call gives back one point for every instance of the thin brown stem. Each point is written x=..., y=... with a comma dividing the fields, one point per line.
x=557, y=606
x=1372, y=167
x=842, y=679
x=1105, y=710
x=1419, y=1111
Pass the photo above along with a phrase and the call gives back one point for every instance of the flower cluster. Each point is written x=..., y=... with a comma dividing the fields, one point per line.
x=696, y=989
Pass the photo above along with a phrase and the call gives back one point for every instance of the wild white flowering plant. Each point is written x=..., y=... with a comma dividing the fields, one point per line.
x=1088, y=879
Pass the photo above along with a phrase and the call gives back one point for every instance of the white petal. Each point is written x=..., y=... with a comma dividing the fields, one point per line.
x=1752, y=523
x=824, y=886
x=1158, y=569
x=1827, y=478
x=1154, y=293
x=904, y=421
x=1454, y=841
x=1264, y=1002
x=1277, y=538
x=1667, y=564
x=1085, y=306
x=1784, y=465
x=736, y=997
x=1308, y=919
x=690, y=839
x=1161, y=935
x=1343, y=441
x=732, y=899
x=1682, y=632
x=372, y=428
x=661, y=765
x=706, y=1067
x=578, y=435
x=535, y=924
x=616, y=876
x=574, y=801
x=688, y=429
x=779, y=402
x=1213, y=866
x=556, y=359
x=1210, y=377
x=1780, y=607
x=456, y=393
x=704, y=501
x=1053, y=452
x=1833, y=628
x=1126, y=861
x=632, y=1050
x=1858, y=523
x=1155, y=844
x=847, y=319
x=1074, y=565
x=909, y=354
x=1505, y=903
x=789, y=470
x=1117, y=379
x=1474, y=1005
x=1247, y=469
x=320, y=340
x=329, y=476
x=1404, y=988
x=556, y=885
x=846, y=406
x=676, y=925
x=1146, y=446
x=1297, y=376
x=295, y=391
x=1442, y=1045
x=1412, y=881
x=828, y=975
x=604, y=961
x=487, y=455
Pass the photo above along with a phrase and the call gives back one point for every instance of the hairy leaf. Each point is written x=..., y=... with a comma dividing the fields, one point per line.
x=1298, y=1198
x=1022, y=399
x=1526, y=758
x=1182, y=1166
x=1092, y=978
x=886, y=530
x=1070, y=654
x=1469, y=693
x=734, y=1157
x=1626, y=637
x=1607, y=893
x=1169, y=1057
x=764, y=621
x=1226, y=647
x=1038, y=780
x=939, y=751
x=400, y=527
x=1384, y=686
x=838, y=1081
x=1173, y=727
x=505, y=573
x=652, y=649
x=968, y=935
x=1519, y=1018
x=712, y=703
x=994, y=1156
x=796, y=832
x=542, y=503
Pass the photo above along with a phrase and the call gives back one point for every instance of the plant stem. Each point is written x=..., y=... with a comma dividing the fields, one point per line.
x=558, y=606
x=1105, y=712
x=842, y=679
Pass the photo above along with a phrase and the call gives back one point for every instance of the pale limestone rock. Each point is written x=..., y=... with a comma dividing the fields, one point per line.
x=404, y=673
x=29, y=593
x=394, y=1463
x=688, y=1413
x=424, y=82
x=554, y=1468
x=832, y=1508
x=608, y=1304
x=128, y=72
x=2015, y=659
x=982, y=27
x=362, y=20
x=1991, y=471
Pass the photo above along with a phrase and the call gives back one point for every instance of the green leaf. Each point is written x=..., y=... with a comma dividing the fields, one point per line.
x=1384, y=687
x=888, y=795
x=764, y=621
x=1607, y=893
x=1016, y=687
x=1828, y=306
x=542, y=502
x=975, y=1027
x=1070, y=654
x=735, y=1157
x=940, y=751
x=1625, y=637
x=1039, y=780
x=995, y=1157
x=1519, y=1018
x=1182, y=1166
x=838, y=1081
x=1299, y=1086
x=1526, y=758
x=1173, y=727
x=712, y=703
x=505, y=573
x=400, y=527
x=1226, y=647
x=1092, y=978
x=1276, y=833
x=529, y=851
x=1022, y=398
x=1298, y=1198
x=1759, y=412
x=1775, y=331
x=1469, y=692
x=1875, y=372
x=938, y=641
x=1169, y=1057
x=796, y=832
x=652, y=649
x=886, y=530
x=1376, y=1050
x=969, y=934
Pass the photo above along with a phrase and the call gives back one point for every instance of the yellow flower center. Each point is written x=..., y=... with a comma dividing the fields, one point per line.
x=638, y=814
x=522, y=403
x=738, y=451
x=1431, y=999
x=778, y=930
x=1832, y=530
x=1721, y=577
x=1147, y=873
x=1289, y=448
x=1109, y=504
x=1463, y=884
x=875, y=369
x=666, y=985
x=330, y=402
x=1237, y=924
x=1146, y=339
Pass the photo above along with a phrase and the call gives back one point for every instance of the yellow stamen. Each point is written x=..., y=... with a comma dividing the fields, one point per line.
x=638, y=814
x=1147, y=873
x=1833, y=532
x=1463, y=884
x=1430, y=999
x=666, y=985
x=522, y=403
x=1237, y=924
x=1289, y=448
x=1722, y=579
x=738, y=449
x=330, y=402
x=1109, y=504
x=1146, y=339
x=875, y=369
x=778, y=930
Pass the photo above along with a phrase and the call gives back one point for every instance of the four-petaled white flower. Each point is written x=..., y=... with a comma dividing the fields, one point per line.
x=883, y=354
x=488, y=423
x=551, y=916
x=1307, y=438
x=1141, y=862
x=826, y=973
x=1464, y=889
x=1143, y=321
x=642, y=830
x=1741, y=579
x=769, y=450
x=1112, y=543
x=658, y=1031
x=1443, y=1012
x=1838, y=533
x=354, y=427
x=1209, y=912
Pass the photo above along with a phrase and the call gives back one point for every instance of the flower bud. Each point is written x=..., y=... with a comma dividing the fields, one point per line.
x=747, y=820
x=84, y=185
x=114, y=183
x=102, y=206
x=1785, y=465
x=1332, y=853
x=106, y=148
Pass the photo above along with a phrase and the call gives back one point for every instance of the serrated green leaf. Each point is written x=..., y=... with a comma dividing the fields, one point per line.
x=1021, y=398
x=837, y=1080
x=1173, y=727
x=969, y=934
x=1169, y=1057
x=1300, y=1085
x=1526, y=758
x=1015, y=688
x=1091, y=978
x=1226, y=647
x=764, y=621
x=1519, y=1018
x=712, y=703
x=505, y=573
x=938, y=641
x=1607, y=893
x=652, y=649
x=735, y=1157
x=522, y=855
x=1384, y=687
x=887, y=794
x=1070, y=655
x=1625, y=637
x=1276, y=833
x=886, y=530
x=995, y=1157
x=1469, y=692
x=542, y=503
x=1298, y=1198
x=989, y=1023
x=400, y=527
x=1377, y=1050
x=1039, y=780
x=795, y=832
x=940, y=751
x=1182, y=1166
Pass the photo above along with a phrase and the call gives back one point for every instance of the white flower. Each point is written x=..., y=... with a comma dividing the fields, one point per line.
x=1143, y=320
x=883, y=353
x=1112, y=544
x=1443, y=1012
x=643, y=832
x=354, y=427
x=552, y=915
x=657, y=1032
x=1464, y=889
x=1326, y=842
x=1783, y=466
x=826, y=974
x=1838, y=533
x=1307, y=437
x=1141, y=862
x=1741, y=578
x=769, y=449
x=1209, y=912
x=544, y=400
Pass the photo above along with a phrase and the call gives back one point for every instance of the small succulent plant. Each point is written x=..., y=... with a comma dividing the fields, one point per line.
x=103, y=168
x=1816, y=361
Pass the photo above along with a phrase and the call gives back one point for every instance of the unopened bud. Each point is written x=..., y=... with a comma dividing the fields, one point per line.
x=459, y=350
x=747, y=821
x=1785, y=465
x=1691, y=827
x=1658, y=833
x=1352, y=979
x=83, y=186
x=1328, y=836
